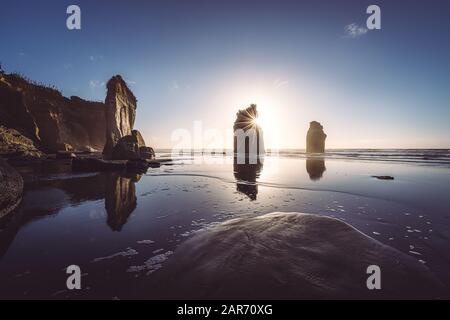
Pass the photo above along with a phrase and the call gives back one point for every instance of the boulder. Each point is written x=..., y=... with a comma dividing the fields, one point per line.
x=146, y=153
x=120, y=113
x=288, y=256
x=315, y=138
x=126, y=148
x=11, y=188
x=132, y=147
x=15, y=146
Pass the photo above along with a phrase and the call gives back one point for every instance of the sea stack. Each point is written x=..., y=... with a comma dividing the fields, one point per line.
x=248, y=136
x=122, y=142
x=315, y=138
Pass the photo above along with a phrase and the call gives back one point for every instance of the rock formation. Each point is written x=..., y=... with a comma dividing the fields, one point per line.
x=248, y=136
x=55, y=123
x=288, y=256
x=122, y=142
x=11, y=188
x=14, y=145
x=315, y=138
x=52, y=121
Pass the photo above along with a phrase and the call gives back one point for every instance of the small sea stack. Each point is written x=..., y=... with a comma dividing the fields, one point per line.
x=315, y=138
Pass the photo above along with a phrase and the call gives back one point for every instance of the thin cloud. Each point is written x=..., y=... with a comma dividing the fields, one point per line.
x=95, y=58
x=278, y=83
x=355, y=31
x=94, y=84
x=174, y=85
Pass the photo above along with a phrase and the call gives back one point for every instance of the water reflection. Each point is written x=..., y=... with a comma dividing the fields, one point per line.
x=46, y=197
x=120, y=199
x=315, y=168
x=246, y=175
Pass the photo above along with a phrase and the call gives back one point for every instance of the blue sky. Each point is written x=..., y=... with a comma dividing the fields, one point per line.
x=192, y=61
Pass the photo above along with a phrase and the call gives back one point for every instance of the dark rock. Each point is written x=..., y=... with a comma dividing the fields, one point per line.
x=383, y=177
x=126, y=148
x=11, y=188
x=288, y=256
x=138, y=165
x=120, y=113
x=315, y=138
x=132, y=147
x=248, y=136
x=94, y=165
x=146, y=153
x=65, y=155
x=154, y=164
x=14, y=145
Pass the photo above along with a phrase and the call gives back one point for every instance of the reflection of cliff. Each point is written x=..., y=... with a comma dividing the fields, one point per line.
x=315, y=168
x=120, y=199
x=246, y=175
x=44, y=198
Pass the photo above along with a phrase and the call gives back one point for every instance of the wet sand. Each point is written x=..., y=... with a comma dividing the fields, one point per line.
x=123, y=229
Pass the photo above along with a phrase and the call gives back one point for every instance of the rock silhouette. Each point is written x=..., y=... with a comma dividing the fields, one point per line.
x=248, y=136
x=315, y=168
x=53, y=122
x=315, y=138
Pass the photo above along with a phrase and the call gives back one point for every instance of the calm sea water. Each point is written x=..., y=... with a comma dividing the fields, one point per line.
x=121, y=228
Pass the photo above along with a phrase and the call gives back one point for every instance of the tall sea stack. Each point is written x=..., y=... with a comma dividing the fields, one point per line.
x=315, y=138
x=120, y=113
x=248, y=136
x=122, y=142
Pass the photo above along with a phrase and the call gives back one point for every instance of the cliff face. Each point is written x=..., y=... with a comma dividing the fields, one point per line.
x=53, y=122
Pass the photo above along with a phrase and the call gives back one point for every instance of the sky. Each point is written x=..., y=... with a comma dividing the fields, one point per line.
x=192, y=64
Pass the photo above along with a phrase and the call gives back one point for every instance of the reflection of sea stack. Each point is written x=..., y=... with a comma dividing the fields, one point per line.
x=315, y=139
x=248, y=136
x=315, y=168
x=120, y=199
x=246, y=175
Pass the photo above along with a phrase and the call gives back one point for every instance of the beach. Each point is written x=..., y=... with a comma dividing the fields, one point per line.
x=122, y=228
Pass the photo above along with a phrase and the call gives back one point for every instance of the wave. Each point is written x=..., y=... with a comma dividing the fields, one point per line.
x=420, y=156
